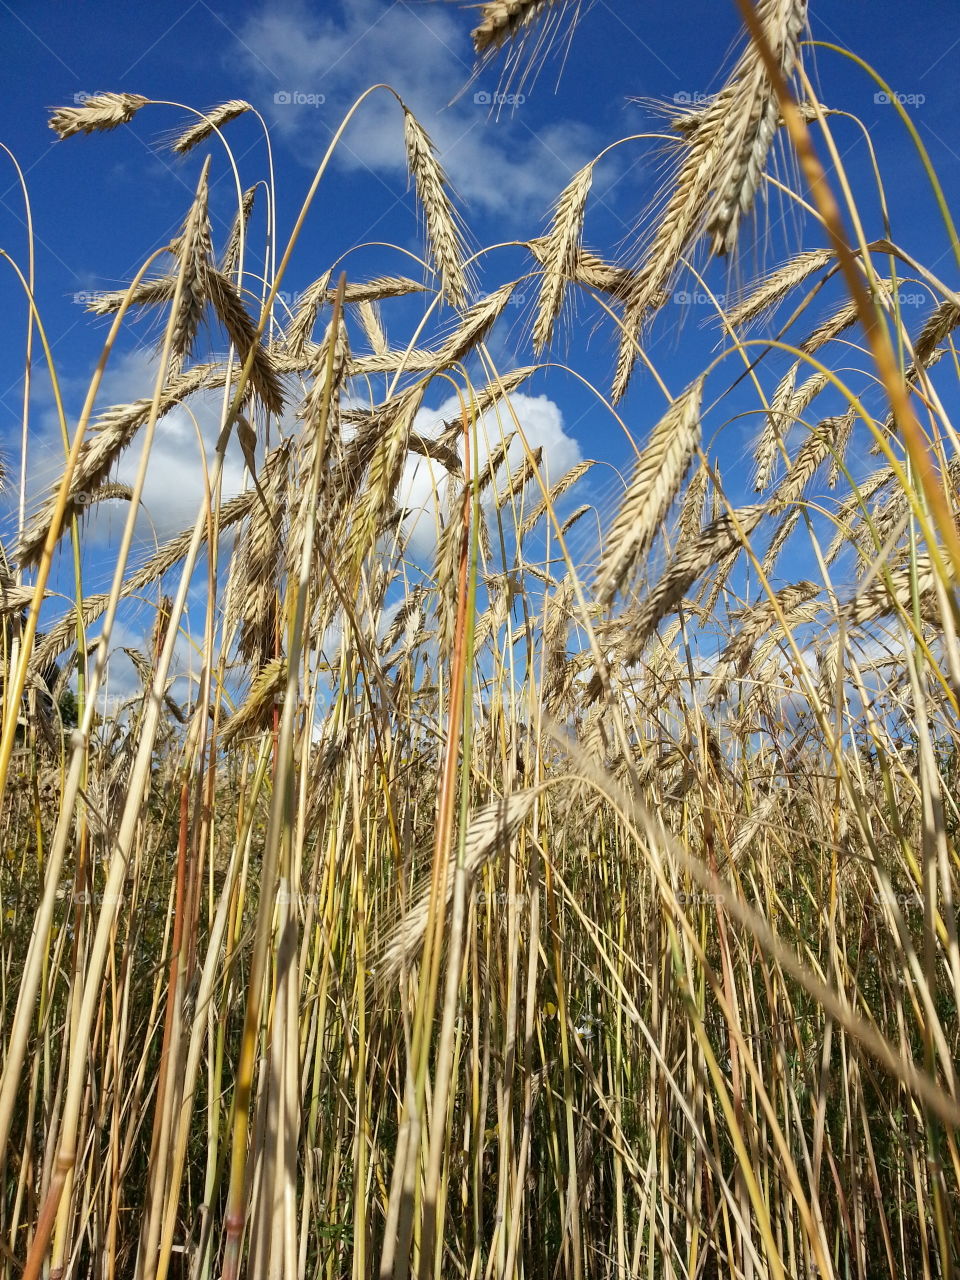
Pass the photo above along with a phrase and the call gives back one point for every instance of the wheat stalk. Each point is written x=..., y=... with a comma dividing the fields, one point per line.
x=443, y=453
x=939, y=325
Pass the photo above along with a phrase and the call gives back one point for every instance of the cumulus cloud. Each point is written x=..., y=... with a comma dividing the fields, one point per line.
x=498, y=162
x=181, y=455
x=423, y=489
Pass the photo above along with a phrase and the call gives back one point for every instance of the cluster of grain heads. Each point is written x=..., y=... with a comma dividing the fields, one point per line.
x=721, y=154
x=443, y=917
x=753, y=624
x=722, y=536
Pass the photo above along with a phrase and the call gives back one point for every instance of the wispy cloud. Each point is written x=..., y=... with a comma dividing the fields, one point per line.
x=308, y=69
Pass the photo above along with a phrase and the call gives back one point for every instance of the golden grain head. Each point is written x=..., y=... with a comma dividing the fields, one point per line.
x=96, y=114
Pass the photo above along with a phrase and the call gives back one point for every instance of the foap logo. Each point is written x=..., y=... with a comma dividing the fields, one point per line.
x=81, y=97
x=515, y=300
x=684, y=98
x=88, y=297
x=905, y=99
x=298, y=98
x=911, y=900
x=690, y=298
x=484, y=99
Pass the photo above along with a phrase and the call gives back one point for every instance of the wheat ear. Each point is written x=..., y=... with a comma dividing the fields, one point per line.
x=752, y=121
x=719, y=539
x=193, y=250
x=215, y=118
x=560, y=252
x=657, y=477
x=565, y=482
x=504, y=20
x=774, y=287
x=231, y=253
x=97, y=114
x=443, y=232
x=735, y=658
x=490, y=831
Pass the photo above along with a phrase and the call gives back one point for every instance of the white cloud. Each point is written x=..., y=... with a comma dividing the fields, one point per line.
x=182, y=452
x=537, y=419
x=496, y=162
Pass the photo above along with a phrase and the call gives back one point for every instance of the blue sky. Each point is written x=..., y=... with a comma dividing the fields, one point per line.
x=101, y=204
